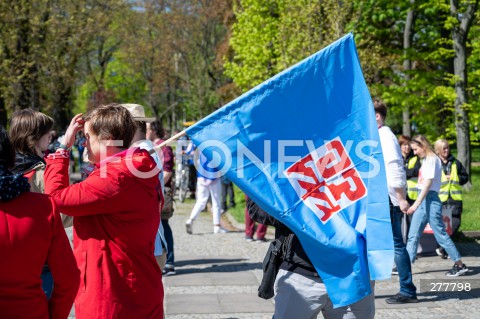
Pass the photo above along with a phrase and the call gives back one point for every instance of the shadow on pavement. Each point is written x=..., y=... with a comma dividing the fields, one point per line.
x=228, y=267
x=471, y=272
x=439, y=296
x=182, y=263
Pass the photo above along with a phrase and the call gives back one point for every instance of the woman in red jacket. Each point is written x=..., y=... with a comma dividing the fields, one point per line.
x=31, y=234
x=115, y=212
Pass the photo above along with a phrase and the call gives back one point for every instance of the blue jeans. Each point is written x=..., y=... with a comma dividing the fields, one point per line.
x=430, y=211
x=167, y=231
x=47, y=282
x=407, y=288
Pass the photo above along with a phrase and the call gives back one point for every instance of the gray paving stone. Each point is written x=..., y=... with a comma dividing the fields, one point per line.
x=244, y=303
x=230, y=255
x=218, y=276
x=193, y=303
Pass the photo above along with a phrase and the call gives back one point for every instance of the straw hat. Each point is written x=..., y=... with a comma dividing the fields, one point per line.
x=138, y=113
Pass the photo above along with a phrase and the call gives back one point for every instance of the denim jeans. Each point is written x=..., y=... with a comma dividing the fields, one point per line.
x=47, y=281
x=167, y=231
x=407, y=288
x=430, y=211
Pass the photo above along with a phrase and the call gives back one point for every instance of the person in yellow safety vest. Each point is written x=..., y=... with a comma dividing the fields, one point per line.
x=454, y=175
x=412, y=167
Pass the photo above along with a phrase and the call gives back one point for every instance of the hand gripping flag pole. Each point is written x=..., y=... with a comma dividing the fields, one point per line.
x=304, y=146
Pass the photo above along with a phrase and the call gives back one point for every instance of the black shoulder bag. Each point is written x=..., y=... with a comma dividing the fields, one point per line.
x=271, y=264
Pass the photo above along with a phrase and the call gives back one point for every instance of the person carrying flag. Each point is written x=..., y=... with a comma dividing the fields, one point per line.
x=298, y=283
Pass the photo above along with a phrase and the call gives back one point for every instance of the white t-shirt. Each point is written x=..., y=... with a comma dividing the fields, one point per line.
x=392, y=156
x=431, y=169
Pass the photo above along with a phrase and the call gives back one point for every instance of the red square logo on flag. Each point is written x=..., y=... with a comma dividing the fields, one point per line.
x=326, y=180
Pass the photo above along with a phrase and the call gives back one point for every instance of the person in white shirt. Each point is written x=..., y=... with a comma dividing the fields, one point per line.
x=428, y=208
x=208, y=185
x=396, y=183
x=140, y=140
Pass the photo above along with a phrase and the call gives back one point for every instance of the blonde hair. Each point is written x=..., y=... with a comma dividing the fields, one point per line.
x=439, y=145
x=423, y=142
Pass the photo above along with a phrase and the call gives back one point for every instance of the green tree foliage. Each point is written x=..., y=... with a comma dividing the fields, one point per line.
x=254, y=37
x=182, y=59
x=42, y=46
x=270, y=36
x=407, y=51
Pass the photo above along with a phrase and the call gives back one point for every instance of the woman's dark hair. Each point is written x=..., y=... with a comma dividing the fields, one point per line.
x=380, y=108
x=404, y=139
x=7, y=152
x=27, y=127
x=157, y=128
x=113, y=122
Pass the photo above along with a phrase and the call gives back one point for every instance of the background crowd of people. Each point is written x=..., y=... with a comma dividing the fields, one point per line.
x=122, y=238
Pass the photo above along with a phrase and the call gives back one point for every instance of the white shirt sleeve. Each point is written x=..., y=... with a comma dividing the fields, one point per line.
x=396, y=177
x=392, y=156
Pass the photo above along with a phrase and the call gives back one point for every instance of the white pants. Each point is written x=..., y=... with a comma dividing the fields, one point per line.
x=205, y=189
x=304, y=297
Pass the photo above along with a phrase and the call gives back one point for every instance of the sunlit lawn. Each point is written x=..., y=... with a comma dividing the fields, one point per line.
x=471, y=207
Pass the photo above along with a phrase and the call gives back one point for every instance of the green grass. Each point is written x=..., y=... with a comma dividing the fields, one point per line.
x=475, y=150
x=471, y=209
x=238, y=212
x=475, y=154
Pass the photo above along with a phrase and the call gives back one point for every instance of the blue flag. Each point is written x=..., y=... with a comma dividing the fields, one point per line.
x=304, y=146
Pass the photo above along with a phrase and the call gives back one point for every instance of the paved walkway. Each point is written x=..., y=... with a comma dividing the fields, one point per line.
x=218, y=276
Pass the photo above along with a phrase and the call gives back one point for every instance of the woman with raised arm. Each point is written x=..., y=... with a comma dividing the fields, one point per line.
x=116, y=217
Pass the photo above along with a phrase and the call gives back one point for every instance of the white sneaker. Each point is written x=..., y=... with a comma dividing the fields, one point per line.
x=219, y=230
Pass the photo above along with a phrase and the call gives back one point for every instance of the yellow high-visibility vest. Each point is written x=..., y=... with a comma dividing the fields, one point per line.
x=451, y=187
x=412, y=190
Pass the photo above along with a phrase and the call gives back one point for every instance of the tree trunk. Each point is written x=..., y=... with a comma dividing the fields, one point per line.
x=460, y=36
x=461, y=116
x=3, y=112
x=407, y=63
x=61, y=111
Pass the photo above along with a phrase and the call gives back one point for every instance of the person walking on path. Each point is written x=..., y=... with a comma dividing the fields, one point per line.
x=428, y=208
x=140, y=140
x=227, y=191
x=412, y=166
x=396, y=183
x=31, y=234
x=454, y=175
x=116, y=217
x=299, y=290
x=250, y=227
x=156, y=133
x=209, y=184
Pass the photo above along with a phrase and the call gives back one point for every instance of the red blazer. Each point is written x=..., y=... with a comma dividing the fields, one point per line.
x=115, y=222
x=31, y=233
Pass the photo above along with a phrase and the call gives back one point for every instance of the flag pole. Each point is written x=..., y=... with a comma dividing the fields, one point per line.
x=167, y=142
